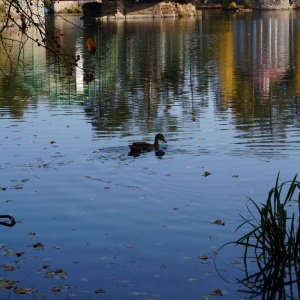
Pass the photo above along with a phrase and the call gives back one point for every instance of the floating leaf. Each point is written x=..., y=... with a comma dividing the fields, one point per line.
x=206, y=173
x=11, y=268
x=20, y=291
x=10, y=251
x=99, y=291
x=38, y=245
x=217, y=292
x=91, y=45
x=49, y=274
x=203, y=257
x=217, y=222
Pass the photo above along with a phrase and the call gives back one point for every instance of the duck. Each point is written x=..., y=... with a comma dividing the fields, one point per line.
x=139, y=147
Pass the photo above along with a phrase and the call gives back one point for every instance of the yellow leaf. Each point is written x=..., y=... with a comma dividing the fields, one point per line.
x=219, y=222
x=217, y=292
x=37, y=245
x=20, y=291
x=91, y=45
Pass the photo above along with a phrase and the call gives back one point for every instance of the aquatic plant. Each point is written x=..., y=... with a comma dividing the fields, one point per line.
x=275, y=235
x=274, y=242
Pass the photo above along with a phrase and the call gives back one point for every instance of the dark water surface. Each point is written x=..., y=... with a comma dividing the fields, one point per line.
x=223, y=89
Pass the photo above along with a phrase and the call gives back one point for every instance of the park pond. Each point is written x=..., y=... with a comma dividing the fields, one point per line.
x=94, y=222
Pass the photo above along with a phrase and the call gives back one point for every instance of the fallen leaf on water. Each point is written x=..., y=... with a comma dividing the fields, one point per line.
x=20, y=291
x=206, y=173
x=55, y=289
x=11, y=268
x=7, y=284
x=99, y=291
x=49, y=274
x=10, y=251
x=91, y=45
x=217, y=222
x=217, y=292
x=38, y=245
x=203, y=257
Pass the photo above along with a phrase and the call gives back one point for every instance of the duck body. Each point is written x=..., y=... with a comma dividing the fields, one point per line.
x=139, y=147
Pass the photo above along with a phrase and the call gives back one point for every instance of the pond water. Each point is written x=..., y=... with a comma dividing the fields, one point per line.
x=223, y=89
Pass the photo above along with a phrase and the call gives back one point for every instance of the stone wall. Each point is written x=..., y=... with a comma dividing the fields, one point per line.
x=118, y=9
x=272, y=4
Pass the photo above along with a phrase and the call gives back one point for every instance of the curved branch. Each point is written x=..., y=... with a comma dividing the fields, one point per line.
x=5, y=223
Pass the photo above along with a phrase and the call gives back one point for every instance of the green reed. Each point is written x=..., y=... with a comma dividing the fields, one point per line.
x=273, y=244
x=274, y=235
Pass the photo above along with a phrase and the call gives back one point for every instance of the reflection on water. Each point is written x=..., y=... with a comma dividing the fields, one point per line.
x=223, y=89
x=152, y=69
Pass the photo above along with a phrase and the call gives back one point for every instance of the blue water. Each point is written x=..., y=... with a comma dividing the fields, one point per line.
x=136, y=226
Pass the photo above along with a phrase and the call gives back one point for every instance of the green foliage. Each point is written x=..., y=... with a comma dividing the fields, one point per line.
x=232, y=5
x=249, y=3
x=229, y=5
x=47, y=3
x=2, y=7
x=273, y=241
x=74, y=9
x=275, y=235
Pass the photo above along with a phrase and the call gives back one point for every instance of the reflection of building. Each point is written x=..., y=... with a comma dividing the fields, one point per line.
x=227, y=84
x=263, y=44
